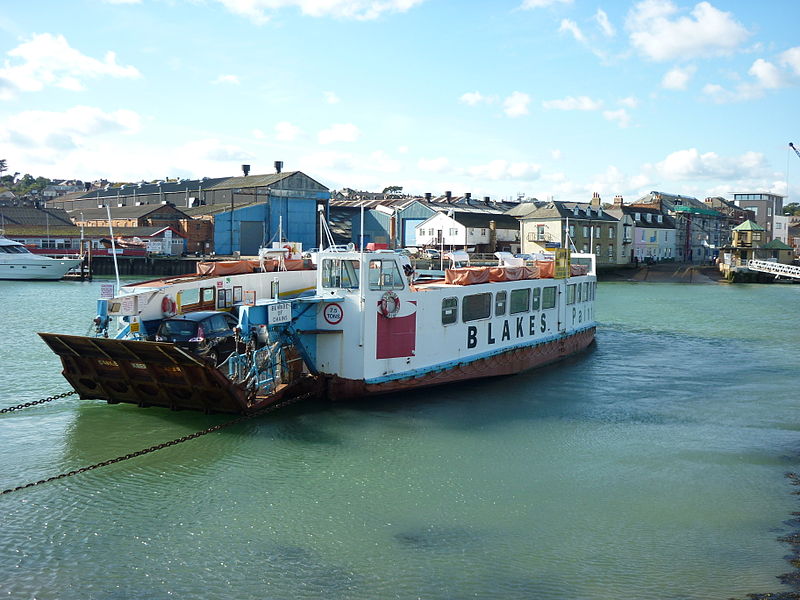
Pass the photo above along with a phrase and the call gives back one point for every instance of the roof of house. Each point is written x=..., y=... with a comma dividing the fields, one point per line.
x=667, y=222
x=776, y=245
x=253, y=181
x=214, y=209
x=144, y=189
x=749, y=226
x=502, y=221
x=122, y=212
x=569, y=210
x=22, y=215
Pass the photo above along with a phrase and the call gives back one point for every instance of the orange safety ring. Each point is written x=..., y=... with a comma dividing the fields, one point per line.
x=389, y=304
x=168, y=306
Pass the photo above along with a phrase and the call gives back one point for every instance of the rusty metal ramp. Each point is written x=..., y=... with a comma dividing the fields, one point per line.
x=145, y=374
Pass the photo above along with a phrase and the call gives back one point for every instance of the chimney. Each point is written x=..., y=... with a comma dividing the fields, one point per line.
x=618, y=203
x=278, y=166
x=246, y=170
x=595, y=200
x=427, y=196
x=448, y=196
x=467, y=196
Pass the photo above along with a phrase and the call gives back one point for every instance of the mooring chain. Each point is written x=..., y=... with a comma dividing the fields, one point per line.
x=185, y=438
x=35, y=402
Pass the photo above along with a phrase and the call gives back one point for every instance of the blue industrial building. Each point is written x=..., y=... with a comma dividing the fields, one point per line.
x=249, y=211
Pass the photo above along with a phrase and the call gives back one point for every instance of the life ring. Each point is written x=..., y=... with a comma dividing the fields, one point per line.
x=168, y=307
x=389, y=304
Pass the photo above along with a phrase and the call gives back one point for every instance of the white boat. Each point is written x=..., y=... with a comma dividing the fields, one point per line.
x=139, y=308
x=368, y=329
x=17, y=262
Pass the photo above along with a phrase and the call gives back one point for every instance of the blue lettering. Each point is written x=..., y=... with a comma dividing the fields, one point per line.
x=519, y=327
x=490, y=339
x=506, y=332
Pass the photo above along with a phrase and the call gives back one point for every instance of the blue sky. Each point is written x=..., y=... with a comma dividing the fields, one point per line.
x=547, y=98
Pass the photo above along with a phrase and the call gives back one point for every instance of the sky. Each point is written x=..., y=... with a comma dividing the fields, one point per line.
x=550, y=99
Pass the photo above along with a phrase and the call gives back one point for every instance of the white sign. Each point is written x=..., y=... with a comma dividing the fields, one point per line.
x=279, y=313
x=106, y=290
x=333, y=313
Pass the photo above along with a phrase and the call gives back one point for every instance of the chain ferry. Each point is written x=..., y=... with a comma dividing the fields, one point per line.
x=368, y=328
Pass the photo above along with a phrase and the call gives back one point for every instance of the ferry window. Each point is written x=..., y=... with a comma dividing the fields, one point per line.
x=476, y=306
x=549, y=297
x=520, y=301
x=449, y=311
x=586, y=287
x=189, y=296
x=339, y=273
x=384, y=275
x=571, y=293
x=500, y=304
x=536, y=294
x=208, y=295
x=579, y=293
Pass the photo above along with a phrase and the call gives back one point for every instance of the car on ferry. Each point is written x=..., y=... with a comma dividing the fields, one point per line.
x=207, y=333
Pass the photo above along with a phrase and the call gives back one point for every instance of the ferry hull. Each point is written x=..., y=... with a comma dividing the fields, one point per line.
x=508, y=362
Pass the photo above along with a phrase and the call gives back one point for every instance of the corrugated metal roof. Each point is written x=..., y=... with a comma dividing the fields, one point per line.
x=121, y=212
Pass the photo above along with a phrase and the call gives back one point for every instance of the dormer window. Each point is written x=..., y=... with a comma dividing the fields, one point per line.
x=575, y=211
x=637, y=216
x=660, y=218
x=647, y=217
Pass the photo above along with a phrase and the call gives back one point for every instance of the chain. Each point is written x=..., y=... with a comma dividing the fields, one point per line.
x=35, y=402
x=186, y=438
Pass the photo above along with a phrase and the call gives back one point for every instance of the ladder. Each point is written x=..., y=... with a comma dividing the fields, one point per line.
x=781, y=270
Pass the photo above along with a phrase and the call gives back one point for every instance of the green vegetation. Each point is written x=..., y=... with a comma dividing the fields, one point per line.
x=792, y=209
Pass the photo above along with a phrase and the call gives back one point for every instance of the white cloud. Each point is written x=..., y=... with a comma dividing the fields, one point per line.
x=572, y=103
x=678, y=78
x=630, y=102
x=660, y=34
x=621, y=117
x=49, y=60
x=556, y=154
x=434, y=165
x=231, y=79
x=331, y=98
x=691, y=164
x=259, y=11
x=516, y=105
x=791, y=58
x=65, y=130
x=258, y=134
x=286, y=132
x=530, y=4
x=766, y=74
x=572, y=27
x=339, y=132
x=212, y=149
x=605, y=25
x=471, y=98
x=502, y=169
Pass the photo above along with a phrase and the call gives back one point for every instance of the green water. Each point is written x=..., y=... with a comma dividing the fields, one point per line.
x=649, y=467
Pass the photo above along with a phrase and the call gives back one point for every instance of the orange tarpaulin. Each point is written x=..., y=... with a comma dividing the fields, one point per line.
x=576, y=270
x=225, y=267
x=512, y=273
x=546, y=269
x=466, y=276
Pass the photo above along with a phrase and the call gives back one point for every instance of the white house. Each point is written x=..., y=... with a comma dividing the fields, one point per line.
x=483, y=231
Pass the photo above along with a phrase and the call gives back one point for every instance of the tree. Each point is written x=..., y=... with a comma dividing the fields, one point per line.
x=793, y=208
x=393, y=190
x=3, y=165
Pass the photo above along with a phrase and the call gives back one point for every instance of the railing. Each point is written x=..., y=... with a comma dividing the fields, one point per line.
x=781, y=269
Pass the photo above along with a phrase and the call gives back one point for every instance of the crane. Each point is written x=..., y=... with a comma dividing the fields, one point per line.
x=796, y=151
